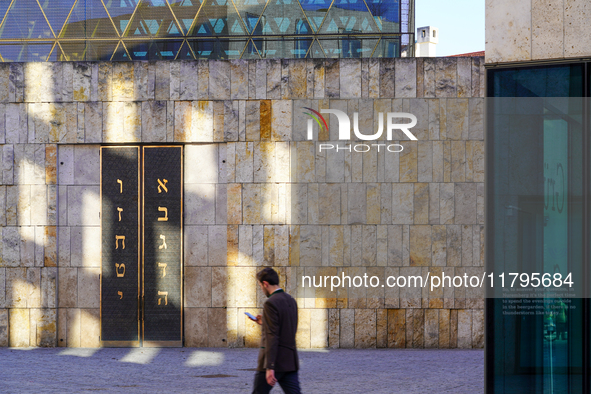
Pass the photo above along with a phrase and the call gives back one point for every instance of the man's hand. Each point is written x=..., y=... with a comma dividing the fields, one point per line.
x=271, y=377
x=259, y=319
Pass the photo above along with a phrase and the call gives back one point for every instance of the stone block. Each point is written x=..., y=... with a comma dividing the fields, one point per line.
x=405, y=78
x=409, y=162
x=196, y=330
x=50, y=246
x=198, y=287
x=402, y=203
x=348, y=327
x=431, y=328
x=508, y=34
x=261, y=79
x=476, y=126
x=421, y=203
x=4, y=340
x=219, y=286
x=221, y=202
x=88, y=287
x=216, y=327
x=27, y=246
x=105, y=81
x=205, y=159
x=162, y=80
x=50, y=164
x=281, y=120
x=68, y=287
x=447, y=203
x=420, y=246
x=188, y=80
x=199, y=204
x=239, y=79
x=319, y=328
x=90, y=328
x=48, y=287
x=396, y=328
x=303, y=333
x=10, y=247
x=387, y=78
x=16, y=83
x=122, y=122
x=5, y=83
x=83, y=206
x=82, y=81
x=458, y=119
x=253, y=120
x=464, y=329
x=273, y=81
x=464, y=71
x=123, y=77
x=16, y=124
x=2, y=291
x=454, y=246
x=8, y=165
x=350, y=78
x=465, y=197
x=219, y=80
x=43, y=327
x=201, y=121
x=478, y=329
x=446, y=77
x=245, y=279
x=19, y=324
x=196, y=245
x=85, y=250
x=86, y=165
x=154, y=120
x=365, y=328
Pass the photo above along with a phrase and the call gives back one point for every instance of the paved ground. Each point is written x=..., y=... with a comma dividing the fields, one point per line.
x=188, y=370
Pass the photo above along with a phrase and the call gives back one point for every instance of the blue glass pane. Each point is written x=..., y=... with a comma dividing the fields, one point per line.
x=539, y=82
x=165, y=50
x=386, y=14
x=153, y=18
x=100, y=50
x=349, y=16
x=185, y=12
x=89, y=19
x=25, y=53
x=218, y=49
x=185, y=53
x=120, y=54
x=120, y=11
x=25, y=20
x=73, y=51
x=250, y=11
x=315, y=10
x=219, y=18
x=57, y=12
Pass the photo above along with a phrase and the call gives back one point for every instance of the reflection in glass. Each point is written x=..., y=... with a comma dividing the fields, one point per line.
x=535, y=224
x=266, y=28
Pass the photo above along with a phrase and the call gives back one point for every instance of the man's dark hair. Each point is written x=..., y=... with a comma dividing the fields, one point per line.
x=268, y=275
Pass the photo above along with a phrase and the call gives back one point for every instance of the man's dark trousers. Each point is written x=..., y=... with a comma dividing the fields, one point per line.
x=287, y=380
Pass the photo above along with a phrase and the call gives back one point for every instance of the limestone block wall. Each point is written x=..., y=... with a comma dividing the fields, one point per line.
x=536, y=29
x=257, y=193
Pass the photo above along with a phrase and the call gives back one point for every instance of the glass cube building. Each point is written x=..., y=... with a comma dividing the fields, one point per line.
x=120, y=30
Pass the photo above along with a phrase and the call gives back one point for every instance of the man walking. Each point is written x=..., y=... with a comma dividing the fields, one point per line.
x=278, y=358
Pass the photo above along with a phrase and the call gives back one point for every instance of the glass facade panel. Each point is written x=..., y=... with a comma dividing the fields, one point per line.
x=213, y=29
x=536, y=193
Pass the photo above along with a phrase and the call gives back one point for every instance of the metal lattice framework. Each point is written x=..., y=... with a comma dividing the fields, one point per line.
x=119, y=30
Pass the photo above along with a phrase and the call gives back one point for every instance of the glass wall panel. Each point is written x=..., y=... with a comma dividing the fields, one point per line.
x=535, y=195
x=266, y=28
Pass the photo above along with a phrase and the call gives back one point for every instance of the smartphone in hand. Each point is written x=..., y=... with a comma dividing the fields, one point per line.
x=250, y=316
